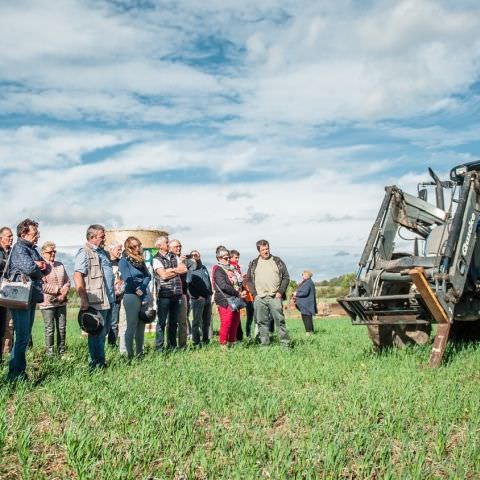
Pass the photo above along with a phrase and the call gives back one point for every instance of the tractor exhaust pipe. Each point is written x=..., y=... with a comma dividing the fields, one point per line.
x=438, y=189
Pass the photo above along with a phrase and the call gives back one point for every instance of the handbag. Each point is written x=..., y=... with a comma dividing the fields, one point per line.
x=15, y=294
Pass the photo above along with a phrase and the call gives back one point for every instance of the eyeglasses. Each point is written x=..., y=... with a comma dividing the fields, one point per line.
x=135, y=245
x=51, y=252
x=226, y=257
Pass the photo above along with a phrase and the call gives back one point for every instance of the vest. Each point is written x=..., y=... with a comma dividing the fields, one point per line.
x=94, y=281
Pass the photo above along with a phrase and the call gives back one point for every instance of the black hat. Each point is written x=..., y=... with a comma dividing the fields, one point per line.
x=90, y=321
x=147, y=314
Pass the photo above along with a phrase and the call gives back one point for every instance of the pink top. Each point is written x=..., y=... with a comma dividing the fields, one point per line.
x=56, y=279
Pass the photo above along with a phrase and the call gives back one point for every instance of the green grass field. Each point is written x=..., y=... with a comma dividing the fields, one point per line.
x=327, y=408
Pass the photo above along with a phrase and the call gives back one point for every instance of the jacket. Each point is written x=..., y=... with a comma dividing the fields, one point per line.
x=3, y=259
x=223, y=287
x=55, y=278
x=305, y=299
x=22, y=262
x=134, y=277
x=199, y=284
x=282, y=271
x=168, y=288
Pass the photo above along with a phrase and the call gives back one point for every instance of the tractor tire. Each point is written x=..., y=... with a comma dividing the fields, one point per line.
x=465, y=331
x=384, y=336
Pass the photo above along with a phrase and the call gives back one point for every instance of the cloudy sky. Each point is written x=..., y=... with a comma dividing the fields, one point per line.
x=229, y=121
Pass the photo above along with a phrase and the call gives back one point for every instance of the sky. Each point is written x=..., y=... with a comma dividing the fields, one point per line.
x=225, y=122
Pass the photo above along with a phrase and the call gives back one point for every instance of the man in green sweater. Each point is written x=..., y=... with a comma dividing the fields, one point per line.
x=268, y=279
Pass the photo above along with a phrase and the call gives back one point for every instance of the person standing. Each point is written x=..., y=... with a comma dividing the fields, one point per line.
x=306, y=300
x=56, y=286
x=224, y=287
x=169, y=293
x=6, y=323
x=136, y=276
x=94, y=282
x=268, y=280
x=183, y=324
x=114, y=252
x=24, y=260
x=200, y=289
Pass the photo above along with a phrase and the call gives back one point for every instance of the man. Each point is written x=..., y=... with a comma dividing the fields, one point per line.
x=114, y=252
x=267, y=280
x=200, y=289
x=169, y=293
x=183, y=324
x=6, y=322
x=94, y=281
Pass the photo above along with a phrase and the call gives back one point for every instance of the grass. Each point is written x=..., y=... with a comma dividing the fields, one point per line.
x=327, y=408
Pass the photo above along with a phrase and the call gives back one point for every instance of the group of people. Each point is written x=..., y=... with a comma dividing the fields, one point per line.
x=118, y=287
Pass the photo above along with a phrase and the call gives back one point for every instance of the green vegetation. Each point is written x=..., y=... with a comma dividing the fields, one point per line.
x=335, y=287
x=327, y=408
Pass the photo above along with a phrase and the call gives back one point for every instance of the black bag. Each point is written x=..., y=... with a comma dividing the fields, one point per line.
x=235, y=303
x=147, y=313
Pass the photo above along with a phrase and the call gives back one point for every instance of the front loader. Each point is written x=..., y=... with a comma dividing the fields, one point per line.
x=399, y=292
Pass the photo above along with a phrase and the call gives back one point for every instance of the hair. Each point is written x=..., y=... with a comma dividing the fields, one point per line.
x=93, y=229
x=262, y=243
x=130, y=252
x=309, y=273
x=113, y=245
x=194, y=251
x=160, y=240
x=48, y=245
x=4, y=229
x=234, y=252
x=221, y=251
x=174, y=240
x=24, y=226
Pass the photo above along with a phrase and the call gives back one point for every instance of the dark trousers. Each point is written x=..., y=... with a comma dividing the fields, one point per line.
x=3, y=328
x=167, y=309
x=55, y=319
x=250, y=313
x=308, y=323
x=22, y=325
x=202, y=316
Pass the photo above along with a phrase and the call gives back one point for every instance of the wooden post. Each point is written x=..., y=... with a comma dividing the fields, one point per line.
x=438, y=313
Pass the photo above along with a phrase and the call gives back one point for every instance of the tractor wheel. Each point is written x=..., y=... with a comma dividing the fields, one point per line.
x=383, y=336
x=465, y=331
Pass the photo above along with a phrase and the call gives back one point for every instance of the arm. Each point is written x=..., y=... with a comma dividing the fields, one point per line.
x=249, y=280
x=303, y=290
x=285, y=280
x=82, y=293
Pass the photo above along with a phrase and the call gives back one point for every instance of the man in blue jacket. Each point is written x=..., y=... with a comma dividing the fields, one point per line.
x=200, y=289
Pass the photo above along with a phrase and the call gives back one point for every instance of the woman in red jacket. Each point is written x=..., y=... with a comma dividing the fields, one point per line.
x=224, y=277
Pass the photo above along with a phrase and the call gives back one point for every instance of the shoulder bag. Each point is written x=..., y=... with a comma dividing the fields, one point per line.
x=15, y=294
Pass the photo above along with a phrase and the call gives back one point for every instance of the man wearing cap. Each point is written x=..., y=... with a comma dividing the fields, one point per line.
x=268, y=280
x=94, y=281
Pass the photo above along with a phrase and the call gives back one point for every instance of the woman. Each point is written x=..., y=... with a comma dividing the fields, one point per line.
x=306, y=301
x=56, y=286
x=224, y=279
x=25, y=261
x=136, y=277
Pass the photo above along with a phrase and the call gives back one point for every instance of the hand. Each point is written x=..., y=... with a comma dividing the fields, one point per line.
x=60, y=298
x=64, y=290
x=182, y=268
x=41, y=264
x=243, y=294
x=183, y=258
x=138, y=292
x=278, y=295
x=84, y=305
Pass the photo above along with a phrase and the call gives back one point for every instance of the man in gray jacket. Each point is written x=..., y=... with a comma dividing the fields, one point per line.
x=268, y=280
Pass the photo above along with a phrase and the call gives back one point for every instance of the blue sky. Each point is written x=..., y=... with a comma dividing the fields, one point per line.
x=226, y=122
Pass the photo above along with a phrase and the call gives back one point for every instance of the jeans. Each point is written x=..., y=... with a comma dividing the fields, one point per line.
x=167, y=308
x=112, y=334
x=22, y=325
x=3, y=327
x=55, y=319
x=96, y=343
x=183, y=322
x=202, y=316
x=264, y=308
x=135, y=327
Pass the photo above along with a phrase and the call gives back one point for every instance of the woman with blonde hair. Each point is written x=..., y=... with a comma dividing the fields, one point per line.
x=56, y=286
x=306, y=300
x=136, y=276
